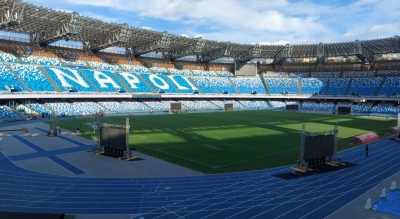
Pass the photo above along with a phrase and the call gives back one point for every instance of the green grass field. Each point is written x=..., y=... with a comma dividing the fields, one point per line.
x=221, y=142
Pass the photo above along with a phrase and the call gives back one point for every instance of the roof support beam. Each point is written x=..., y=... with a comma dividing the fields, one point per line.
x=364, y=54
x=284, y=54
x=52, y=34
x=243, y=58
x=12, y=13
x=320, y=54
x=159, y=44
x=206, y=57
x=109, y=39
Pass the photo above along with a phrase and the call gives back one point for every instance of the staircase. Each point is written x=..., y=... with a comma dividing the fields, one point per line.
x=196, y=85
x=233, y=85
x=127, y=89
x=54, y=84
x=19, y=79
x=265, y=84
x=146, y=83
x=348, y=87
x=380, y=86
x=88, y=80
x=300, y=84
x=327, y=87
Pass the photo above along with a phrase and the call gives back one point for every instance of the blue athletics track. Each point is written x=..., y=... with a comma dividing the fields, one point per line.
x=254, y=194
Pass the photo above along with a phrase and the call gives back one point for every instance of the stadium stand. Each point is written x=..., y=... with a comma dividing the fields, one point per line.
x=386, y=108
x=221, y=84
x=325, y=74
x=317, y=105
x=103, y=66
x=390, y=86
x=364, y=86
x=314, y=85
x=204, y=84
x=105, y=81
x=32, y=77
x=39, y=60
x=159, y=83
x=7, y=57
x=248, y=85
x=275, y=75
x=282, y=85
x=67, y=79
x=277, y=104
x=204, y=73
x=338, y=86
x=255, y=104
x=358, y=74
x=8, y=80
x=135, y=68
x=179, y=72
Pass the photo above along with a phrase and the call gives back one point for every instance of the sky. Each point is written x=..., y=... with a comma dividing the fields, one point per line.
x=248, y=21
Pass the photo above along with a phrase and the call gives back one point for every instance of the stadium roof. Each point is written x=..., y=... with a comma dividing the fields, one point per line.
x=46, y=26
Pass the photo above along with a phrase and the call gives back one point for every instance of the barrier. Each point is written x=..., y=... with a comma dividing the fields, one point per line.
x=366, y=138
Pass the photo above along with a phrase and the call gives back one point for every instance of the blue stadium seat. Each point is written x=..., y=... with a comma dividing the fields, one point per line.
x=133, y=81
x=104, y=80
x=204, y=84
x=314, y=85
x=282, y=85
x=40, y=60
x=364, y=86
x=248, y=85
x=68, y=77
x=8, y=80
x=390, y=86
x=32, y=77
x=338, y=86
x=159, y=82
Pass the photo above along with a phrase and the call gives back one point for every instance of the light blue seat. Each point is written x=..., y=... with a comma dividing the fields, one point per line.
x=325, y=74
x=135, y=68
x=338, y=86
x=7, y=113
x=204, y=84
x=386, y=108
x=159, y=82
x=314, y=85
x=364, y=86
x=41, y=60
x=222, y=84
x=8, y=80
x=7, y=57
x=110, y=83
x=390, y=86
x=321, y=105
x=136, y=85
x=282, y=85
x=38, y=108
x=78, y=81
x=277, y=104
x=255, y=104
x=32, y=77
x=248, y=85
x=103, y=66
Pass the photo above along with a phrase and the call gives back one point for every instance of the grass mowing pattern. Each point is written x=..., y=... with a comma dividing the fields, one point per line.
x=221, y=142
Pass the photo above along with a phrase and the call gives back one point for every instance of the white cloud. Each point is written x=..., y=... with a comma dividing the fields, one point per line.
x=184, y=35
x=147, y=28
x=269, y=22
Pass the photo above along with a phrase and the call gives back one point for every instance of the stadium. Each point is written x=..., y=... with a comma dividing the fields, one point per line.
x=105, y=120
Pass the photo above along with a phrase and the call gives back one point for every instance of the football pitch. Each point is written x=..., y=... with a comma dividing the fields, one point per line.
x=230, y=141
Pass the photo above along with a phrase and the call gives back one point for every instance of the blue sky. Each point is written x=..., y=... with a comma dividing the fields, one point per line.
x=248, y=21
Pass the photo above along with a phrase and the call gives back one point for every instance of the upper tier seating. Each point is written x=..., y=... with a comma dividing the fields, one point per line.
x=7, y=57
x=358, y=74
x=275, y=75
x=322, y=105
x=67, y=78
x=248, y=85
x=160, y=83
x=255, y=104
x=221, y=84
x=283, y=85
x=135, y=68
x=32, y=77
x=338, y=86
x=179, y=72
x=224, y=73
x=8, y=80
x=75, y=63
x=298, y=75
x=314, y=85
x=204, y=84
x=364, y=86
x=199, y=105
x=40, y=60
x=105, y=81
x=159, y=70
x=134, y=83
x=390, y=86
x=325, y=74
x=386, y=108
x=388, y=72
x=204, y=73
x=103, y=66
